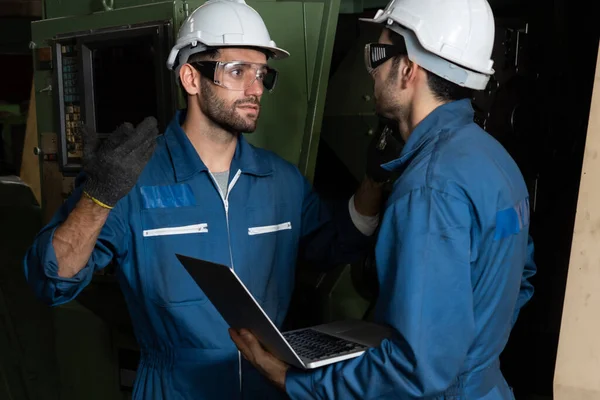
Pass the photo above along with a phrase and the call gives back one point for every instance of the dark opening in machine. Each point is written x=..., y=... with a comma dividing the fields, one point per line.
x=124, y=83
x=107, y=77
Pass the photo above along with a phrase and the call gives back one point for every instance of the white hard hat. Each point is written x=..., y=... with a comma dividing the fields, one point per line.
x=221, y=23
x=450, y=38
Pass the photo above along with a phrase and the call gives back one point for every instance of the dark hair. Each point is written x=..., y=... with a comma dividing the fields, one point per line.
x=445, y=90
x=442, y=89
x=209, y=54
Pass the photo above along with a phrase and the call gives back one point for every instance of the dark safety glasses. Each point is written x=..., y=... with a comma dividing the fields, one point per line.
x=237, y=75
x=378, y=53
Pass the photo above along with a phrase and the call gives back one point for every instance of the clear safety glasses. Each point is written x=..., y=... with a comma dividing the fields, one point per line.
x=378, y=53
x=237, y=75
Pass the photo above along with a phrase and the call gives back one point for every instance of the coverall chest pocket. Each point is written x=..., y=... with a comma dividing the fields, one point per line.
x=272, y=243
x=167, y=232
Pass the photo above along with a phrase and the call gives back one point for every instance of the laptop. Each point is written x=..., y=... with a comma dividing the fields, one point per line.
x=305, y=348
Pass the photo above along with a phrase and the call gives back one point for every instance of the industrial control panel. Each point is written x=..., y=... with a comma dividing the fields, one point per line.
x=69, y=103
x=105, y=77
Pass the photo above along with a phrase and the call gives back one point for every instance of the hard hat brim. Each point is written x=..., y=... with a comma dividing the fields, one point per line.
x=381, y=19
x=278, y=53
x=371, y=20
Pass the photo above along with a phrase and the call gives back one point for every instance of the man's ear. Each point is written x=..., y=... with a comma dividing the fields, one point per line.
x=408, y=72
x=190, y=79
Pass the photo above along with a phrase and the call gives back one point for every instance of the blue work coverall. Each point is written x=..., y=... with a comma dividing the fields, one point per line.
x=453, y=257
x=270, y=214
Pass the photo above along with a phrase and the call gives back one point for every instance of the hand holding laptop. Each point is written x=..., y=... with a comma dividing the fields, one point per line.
x=268, y=365
x=305, y=348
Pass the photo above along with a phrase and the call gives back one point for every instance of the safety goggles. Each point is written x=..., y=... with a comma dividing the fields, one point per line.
x=377, y=53
x=237, y=75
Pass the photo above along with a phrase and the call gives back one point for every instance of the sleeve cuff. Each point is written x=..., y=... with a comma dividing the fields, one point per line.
x=299, y=384
x=51, y=264
x=365, y=224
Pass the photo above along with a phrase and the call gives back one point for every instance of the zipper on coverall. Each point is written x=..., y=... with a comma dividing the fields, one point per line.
x=226, y=205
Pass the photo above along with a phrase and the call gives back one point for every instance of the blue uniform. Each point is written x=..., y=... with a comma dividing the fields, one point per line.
x=453, y=258
x=269, y=217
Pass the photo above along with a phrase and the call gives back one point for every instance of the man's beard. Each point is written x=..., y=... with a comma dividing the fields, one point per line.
x=386, y=100
x=223, y=115
x=386, y=107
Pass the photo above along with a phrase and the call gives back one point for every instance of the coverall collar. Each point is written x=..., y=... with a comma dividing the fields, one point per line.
x=187, y=163
x=448, y=115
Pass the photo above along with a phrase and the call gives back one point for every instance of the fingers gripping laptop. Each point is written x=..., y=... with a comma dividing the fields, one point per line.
x=306, y=348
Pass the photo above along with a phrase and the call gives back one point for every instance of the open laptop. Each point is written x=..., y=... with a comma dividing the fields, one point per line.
x=306, y=348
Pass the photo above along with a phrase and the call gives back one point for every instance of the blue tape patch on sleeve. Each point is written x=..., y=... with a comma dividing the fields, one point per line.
x=168, y=196
x=512, y=220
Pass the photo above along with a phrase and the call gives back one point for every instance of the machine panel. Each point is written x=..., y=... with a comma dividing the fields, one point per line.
x=93, y=72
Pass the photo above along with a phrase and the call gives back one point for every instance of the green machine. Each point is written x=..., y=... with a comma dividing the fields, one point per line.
x=85, y=54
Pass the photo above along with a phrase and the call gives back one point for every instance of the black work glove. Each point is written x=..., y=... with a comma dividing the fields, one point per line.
x=112, y=168
x=384, y=147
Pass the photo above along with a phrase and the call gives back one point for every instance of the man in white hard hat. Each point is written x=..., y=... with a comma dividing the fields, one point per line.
x=199, y=190
x=453, y=253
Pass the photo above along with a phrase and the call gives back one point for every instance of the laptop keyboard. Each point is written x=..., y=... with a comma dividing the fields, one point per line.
x=315, y=345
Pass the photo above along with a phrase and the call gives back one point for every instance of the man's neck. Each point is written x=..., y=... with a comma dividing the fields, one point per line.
x=419, y=110
x=214, y=145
